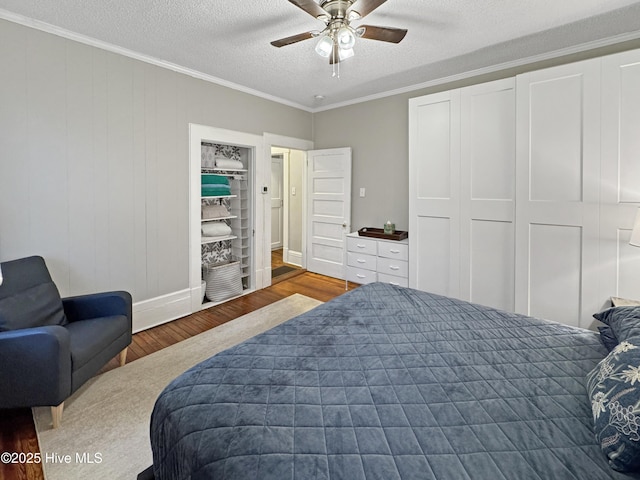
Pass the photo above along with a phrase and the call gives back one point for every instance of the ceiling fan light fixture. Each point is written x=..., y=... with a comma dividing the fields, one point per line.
x=346, y=38
x=324, y=46
x=353, y=16
x=344, y=53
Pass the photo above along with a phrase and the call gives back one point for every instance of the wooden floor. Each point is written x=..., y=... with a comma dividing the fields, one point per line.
x=278, y=261
x=17, y=432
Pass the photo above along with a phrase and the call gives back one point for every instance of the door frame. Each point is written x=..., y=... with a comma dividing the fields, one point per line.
x=198, y=133
x=275, y=140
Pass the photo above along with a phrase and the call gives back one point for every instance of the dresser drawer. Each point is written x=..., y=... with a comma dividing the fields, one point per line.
x=358, y=275
x=362, y=245
x=390, y=266
x=389, y=250
x=360, y=260
x=399, y=281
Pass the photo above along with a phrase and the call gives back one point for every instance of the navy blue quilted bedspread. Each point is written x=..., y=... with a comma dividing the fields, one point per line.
x=387, y=383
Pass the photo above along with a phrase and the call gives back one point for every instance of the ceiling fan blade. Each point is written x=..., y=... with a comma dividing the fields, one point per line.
x=292, y=39
x=365, y=7
x=384, y=34
x=309, y=6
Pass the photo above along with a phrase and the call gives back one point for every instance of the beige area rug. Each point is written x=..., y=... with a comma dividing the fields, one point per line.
x=104, y=433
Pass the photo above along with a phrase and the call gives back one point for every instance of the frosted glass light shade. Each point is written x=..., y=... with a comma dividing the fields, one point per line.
x=345, y=53
x=635, y=233
x=324, y=46
x=346, y=38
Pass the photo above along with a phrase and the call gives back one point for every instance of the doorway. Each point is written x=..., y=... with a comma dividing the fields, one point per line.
x=287, y=207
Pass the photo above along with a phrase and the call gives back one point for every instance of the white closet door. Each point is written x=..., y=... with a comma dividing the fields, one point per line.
x=620, y=173
x=487, y=196
x=557, y=185
x=434, y=199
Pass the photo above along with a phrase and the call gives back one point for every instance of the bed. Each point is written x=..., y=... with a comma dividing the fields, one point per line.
x=386, y=382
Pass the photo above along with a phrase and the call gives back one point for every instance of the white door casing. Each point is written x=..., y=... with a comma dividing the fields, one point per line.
x=329, y=210
x=271, y=140
x=277, y=201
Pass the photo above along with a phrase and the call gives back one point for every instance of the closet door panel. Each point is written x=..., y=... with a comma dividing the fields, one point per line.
x=620, y=171
x=555, y=160
x=491, y=264
x=557, y=185
x=487, y=178
x=434, y=166
x=431, y=265
x=433, y=170
x=629, y=139
x=555, y=273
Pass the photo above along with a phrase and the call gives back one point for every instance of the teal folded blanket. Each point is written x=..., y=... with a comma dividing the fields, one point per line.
x=215, y=190
x=211, y=179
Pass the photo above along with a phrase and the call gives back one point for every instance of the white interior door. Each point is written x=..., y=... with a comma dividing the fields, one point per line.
x=277, y=202
x=329, y=210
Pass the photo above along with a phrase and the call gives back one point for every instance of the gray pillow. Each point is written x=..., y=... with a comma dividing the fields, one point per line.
x=28, y=296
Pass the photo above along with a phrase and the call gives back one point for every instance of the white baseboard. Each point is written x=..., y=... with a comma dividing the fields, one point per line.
x=159, y=310
x=294, y=258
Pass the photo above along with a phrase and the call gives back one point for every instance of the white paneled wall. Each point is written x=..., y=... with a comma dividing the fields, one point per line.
x=94, y=162
x=523, y=191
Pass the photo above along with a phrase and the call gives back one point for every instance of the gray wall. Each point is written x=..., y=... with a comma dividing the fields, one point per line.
x=94, y=160
x=296, y=169
x=377, y=131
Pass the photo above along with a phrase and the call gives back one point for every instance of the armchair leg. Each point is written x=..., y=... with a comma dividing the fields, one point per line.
x=122, y=356
x=56, y=415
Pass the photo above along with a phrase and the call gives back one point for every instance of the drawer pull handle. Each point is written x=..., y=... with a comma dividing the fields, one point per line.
x=359, y=275
x=359, y=245
x=359, y=260
x=394, y=251
x=394, y=267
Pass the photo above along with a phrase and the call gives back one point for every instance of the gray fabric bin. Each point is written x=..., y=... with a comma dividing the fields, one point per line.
x=223, y=281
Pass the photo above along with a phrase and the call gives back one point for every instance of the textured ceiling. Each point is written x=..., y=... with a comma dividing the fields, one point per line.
x=229, y=40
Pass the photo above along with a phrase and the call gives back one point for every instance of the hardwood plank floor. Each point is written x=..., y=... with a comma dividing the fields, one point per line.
x=17, y=431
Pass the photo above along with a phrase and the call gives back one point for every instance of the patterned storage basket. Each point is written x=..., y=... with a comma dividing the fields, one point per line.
x=223, y=281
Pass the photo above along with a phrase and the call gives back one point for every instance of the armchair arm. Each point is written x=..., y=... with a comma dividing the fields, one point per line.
x=97, y=305
x=36, y=366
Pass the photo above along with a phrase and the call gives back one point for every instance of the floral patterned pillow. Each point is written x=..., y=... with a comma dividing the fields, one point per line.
x=614, y=390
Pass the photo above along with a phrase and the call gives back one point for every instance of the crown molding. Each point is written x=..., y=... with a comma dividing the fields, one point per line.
x=77, y=37
x=583, y=47
x=67, y=34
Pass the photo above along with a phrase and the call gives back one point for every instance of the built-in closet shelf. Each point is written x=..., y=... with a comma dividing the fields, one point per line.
x=207, y=240
x=223, y=171
x=218, y=218
x=219, y=196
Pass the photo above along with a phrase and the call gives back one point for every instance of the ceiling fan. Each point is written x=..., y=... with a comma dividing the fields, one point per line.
x=338, y=38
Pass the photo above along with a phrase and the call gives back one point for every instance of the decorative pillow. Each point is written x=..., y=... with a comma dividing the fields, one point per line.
x=623, y=302
x=28, y=296
x=614, y=391
x=607, y=337
x=624, y=322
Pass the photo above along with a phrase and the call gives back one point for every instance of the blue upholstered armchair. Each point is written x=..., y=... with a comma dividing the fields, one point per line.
x=50, y=346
